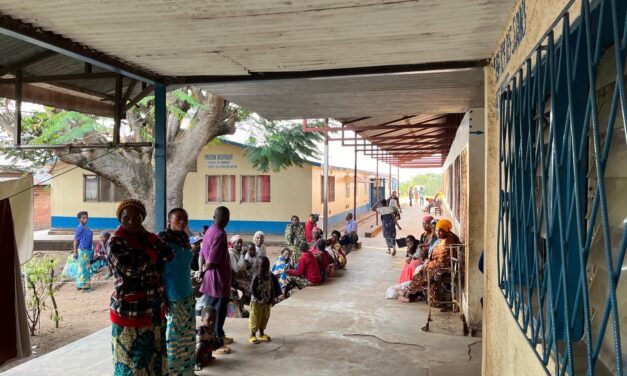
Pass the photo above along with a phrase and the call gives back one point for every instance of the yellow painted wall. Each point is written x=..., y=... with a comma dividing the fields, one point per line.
x=290, y=189
x=67, y=194
x=342, y=203
x=505, y=348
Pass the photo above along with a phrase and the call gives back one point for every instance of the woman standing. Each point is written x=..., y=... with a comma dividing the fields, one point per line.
x=138, y=305
x=388, y=220
x=181, y=323
x=294, y=236
x=83, y=252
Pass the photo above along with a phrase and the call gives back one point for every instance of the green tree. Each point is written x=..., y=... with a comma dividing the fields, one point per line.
x=432, y=183
x=40, y=279
x=279, y=145
x=195, y=118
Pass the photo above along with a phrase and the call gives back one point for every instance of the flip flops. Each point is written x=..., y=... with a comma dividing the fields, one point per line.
x=253, y=340
x=264, y=338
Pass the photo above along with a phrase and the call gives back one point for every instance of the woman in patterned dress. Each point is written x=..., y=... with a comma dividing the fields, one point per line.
x=294, y=236
x=138, y=305
x=181, y=323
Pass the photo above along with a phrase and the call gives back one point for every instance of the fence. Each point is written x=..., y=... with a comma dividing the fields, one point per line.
x=562, y=231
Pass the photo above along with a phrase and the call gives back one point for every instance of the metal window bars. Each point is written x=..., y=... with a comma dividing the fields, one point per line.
x=562, y=232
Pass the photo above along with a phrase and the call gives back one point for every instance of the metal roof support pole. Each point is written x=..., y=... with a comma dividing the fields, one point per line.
x=390, y=182
x=355, y=188
x=376, y=189
x=160, y=158
x=18, y=107
x=398, y=183
x=117, y=116
x=325, y=189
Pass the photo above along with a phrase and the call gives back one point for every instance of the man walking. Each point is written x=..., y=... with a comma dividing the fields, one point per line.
x=411, y=195
x=216, y=264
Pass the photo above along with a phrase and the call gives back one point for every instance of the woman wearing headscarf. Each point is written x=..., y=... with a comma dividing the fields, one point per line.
x=181, y=323
x=440, y=260
x=138, y=305
x=100, y=253
x=258, y=239
x=241, y=276
x=388, y=220
x=294, y=236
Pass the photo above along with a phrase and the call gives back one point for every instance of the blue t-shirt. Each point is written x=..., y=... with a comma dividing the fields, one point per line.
x=177, y=274
x=84, y=236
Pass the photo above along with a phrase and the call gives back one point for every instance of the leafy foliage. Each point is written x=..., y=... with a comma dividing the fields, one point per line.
x=432, y=183
x=276, y=146
x=40, y=279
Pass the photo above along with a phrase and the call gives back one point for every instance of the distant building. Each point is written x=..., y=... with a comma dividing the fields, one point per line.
x=223, y=176
x=41, y=194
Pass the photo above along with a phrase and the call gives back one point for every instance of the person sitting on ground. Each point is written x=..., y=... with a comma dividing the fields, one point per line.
x=334, y=244
x=439, y=262
x=258, y=239
x=351, y=224
x=281, y=266
x=241, y=278
x=206, y=341
x=294, y=236
x=308, y=272
x=413, y=258
x=312, y=223
x=316, y=235
x=101, y=251
x=265, y=290
x=324, y=260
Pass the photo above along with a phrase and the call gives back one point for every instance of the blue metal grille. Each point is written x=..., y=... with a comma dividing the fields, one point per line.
x=562, y=232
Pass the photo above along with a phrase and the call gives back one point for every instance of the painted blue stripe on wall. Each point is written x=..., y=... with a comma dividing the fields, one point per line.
x=337, y=218
x=234, y=227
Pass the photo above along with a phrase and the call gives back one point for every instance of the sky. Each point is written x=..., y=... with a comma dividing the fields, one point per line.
x=339, y=156
x=344, y=156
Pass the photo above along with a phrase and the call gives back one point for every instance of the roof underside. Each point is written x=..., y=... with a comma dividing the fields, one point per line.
x=363, y=62
x=218, y=38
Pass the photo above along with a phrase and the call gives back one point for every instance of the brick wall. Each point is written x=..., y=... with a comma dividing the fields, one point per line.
x=41, y=207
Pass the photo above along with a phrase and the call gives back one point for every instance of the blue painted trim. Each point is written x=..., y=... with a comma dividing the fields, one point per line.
x=234, y=227
x=95, y=223
x=337, y=218
x=160, y=145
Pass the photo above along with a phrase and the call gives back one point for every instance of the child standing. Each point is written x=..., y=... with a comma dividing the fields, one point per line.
x=206, y=341
x=265, y=290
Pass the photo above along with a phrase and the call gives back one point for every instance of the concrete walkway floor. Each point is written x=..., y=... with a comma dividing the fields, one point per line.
x=345, y=327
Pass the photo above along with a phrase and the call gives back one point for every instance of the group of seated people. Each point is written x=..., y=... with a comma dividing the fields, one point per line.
x=427, y=260
x=307, y=259
x=436, y=201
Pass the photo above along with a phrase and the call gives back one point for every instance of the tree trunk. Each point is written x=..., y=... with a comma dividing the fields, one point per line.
x=133, y=169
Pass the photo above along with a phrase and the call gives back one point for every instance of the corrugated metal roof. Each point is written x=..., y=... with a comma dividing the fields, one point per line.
x=189, y=37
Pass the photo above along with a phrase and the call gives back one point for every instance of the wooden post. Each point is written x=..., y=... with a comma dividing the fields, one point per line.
x=117, y=116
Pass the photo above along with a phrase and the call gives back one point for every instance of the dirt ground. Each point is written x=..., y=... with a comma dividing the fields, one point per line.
x=82, y=313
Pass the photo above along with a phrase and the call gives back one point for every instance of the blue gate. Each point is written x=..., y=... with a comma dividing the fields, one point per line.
x=562, y=231
x=373, y=192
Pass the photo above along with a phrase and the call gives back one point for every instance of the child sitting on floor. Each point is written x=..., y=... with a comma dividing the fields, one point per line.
x=265, y=290
x=206, y=341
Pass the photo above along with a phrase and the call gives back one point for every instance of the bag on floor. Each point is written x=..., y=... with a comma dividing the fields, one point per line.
x=233, y=310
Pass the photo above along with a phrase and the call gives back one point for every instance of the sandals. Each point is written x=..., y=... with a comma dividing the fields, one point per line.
x=253, y=340
x=394, y=252
x=223, y=350
x=264, y=338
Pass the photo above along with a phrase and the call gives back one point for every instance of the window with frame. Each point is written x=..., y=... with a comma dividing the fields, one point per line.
x=99, y=189
x=255, y=188
x=331, y=188
x=220, y=188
